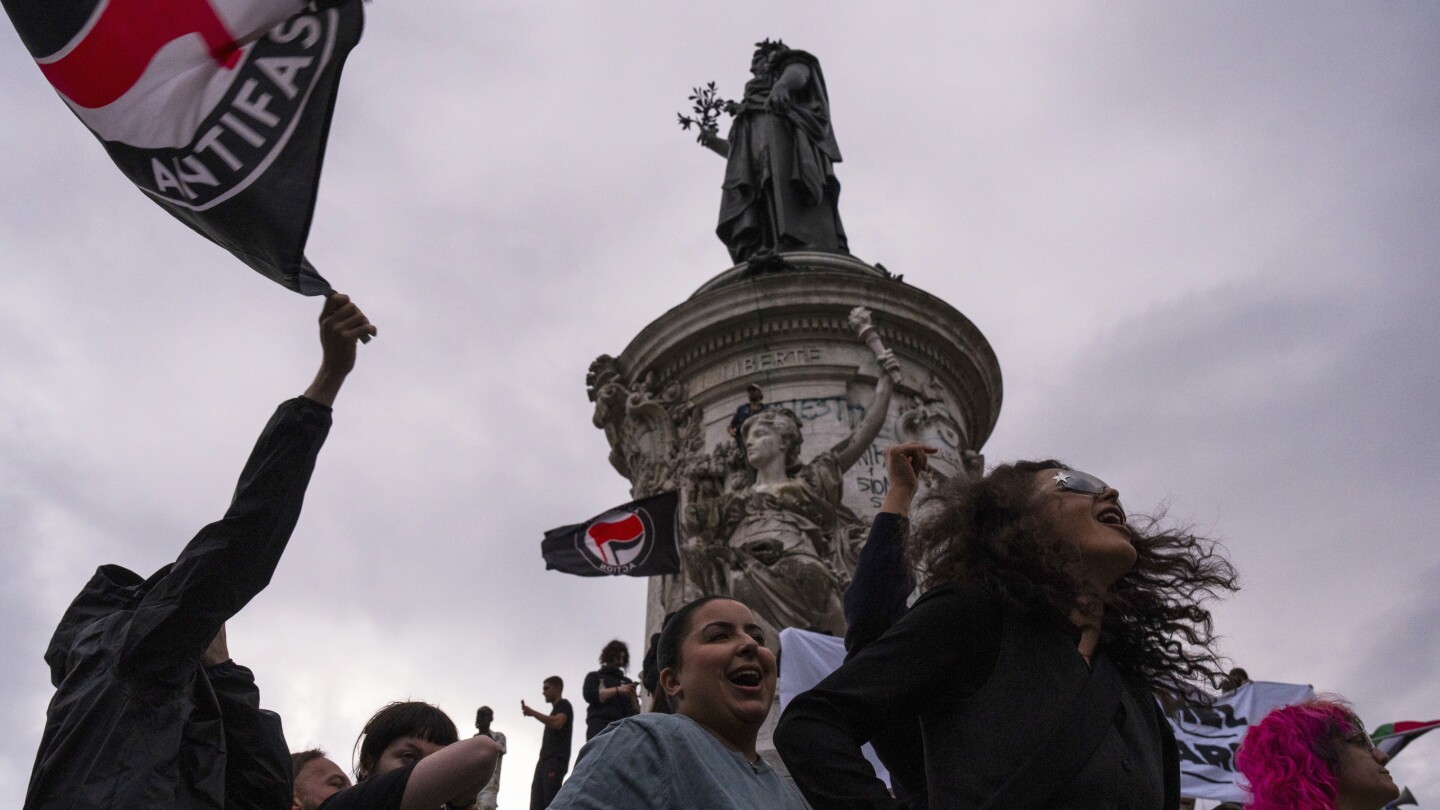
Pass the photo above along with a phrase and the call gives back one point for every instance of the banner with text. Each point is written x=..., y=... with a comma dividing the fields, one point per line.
x=1209, y=736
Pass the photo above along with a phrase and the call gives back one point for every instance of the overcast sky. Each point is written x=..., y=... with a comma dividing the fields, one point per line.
x=1201, y=238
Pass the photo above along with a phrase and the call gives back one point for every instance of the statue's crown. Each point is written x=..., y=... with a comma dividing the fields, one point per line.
x=770, y=46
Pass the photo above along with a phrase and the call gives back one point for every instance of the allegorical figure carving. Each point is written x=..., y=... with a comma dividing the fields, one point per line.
x=777, y=536
x=780, y=192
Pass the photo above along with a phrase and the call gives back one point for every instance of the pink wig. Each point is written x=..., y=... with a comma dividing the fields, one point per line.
x=1289, y=758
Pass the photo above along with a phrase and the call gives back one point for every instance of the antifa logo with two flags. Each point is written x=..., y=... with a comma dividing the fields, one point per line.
x=217, y=109
x=639, y=539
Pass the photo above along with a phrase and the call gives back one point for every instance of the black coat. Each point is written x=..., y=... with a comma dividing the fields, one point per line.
x=602, y=713
x=136, y=721
x=988, y=684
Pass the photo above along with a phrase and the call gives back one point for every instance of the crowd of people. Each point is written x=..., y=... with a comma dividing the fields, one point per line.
x=1033, y=670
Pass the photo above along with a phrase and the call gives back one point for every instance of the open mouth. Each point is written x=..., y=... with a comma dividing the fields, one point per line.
x=1111, y=516
x=746, y=677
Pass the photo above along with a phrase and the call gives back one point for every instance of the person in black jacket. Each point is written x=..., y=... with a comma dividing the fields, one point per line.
x=1031, y=663
x=876, y=599
x=149, y=711
x=610, y=694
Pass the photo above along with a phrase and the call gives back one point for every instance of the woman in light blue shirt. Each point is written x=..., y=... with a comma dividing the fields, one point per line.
x=720, y=678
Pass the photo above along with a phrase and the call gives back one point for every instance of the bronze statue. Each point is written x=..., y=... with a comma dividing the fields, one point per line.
x=780, y=192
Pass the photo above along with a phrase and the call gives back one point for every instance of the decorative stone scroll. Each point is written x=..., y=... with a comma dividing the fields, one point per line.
x=653, y=430
x=930, y=421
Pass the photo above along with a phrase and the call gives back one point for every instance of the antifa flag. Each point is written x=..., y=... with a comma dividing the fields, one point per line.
x=217, y=109
x=639, y=539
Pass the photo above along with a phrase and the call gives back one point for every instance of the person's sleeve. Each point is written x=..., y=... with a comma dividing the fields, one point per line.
x=623, y=766
x=257, y=759
x=383, y=792
x=1169, y=757
x=232, y=559
x=943, y=649
x=880, y=586
x=591, y=689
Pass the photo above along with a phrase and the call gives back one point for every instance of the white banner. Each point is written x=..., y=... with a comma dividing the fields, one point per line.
x=808, y=659
x=1210, y=736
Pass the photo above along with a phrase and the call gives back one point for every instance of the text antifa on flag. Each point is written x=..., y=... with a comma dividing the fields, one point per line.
x=639, y=539
x=217, y=109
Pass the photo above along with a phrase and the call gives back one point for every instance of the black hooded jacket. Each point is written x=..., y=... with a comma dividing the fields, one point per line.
x=136, y=721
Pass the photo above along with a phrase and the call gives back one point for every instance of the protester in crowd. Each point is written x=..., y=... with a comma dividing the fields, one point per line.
x=1048, y=626
x=317, y=778
x=720, y=678
x=1314, y=756
x=1234, y=679
x=876, y=599
x=609, y=693
x=755, y=403
x=650, y=673
x=411, y=758
x=490, y=794
x=148, y=703
x=554, y=745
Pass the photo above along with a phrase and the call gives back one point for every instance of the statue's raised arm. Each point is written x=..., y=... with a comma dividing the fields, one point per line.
x=787, y=533
x=849, y=449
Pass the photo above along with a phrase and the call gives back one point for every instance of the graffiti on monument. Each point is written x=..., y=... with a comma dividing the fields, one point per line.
x=931, y=421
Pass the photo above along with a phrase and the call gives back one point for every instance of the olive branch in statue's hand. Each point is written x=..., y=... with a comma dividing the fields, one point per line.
x=707, y=108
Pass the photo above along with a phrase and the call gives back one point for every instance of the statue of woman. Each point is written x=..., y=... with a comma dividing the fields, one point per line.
x=780, y=191
x=782, y=542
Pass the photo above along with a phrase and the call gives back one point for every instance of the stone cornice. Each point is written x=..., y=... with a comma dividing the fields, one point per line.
x=813, y=303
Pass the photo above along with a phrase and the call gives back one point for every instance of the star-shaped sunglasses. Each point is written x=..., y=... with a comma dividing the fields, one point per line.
x=1077, y=481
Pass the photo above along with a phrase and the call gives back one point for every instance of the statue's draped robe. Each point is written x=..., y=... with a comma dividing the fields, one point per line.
x=780, y=190
x=813, y=536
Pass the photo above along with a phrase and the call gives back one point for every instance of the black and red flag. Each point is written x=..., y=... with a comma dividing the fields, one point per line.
x=639, y=539
x=217, y=109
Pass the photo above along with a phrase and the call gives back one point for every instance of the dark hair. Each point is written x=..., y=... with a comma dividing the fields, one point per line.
x=615, y=654
x=554, y=680
x=483, y=711
x=677, y=627
x=401, y=719
x=300, y=759
x=990, y=532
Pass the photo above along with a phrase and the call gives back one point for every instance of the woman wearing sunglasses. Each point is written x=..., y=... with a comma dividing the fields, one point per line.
x=1314, y=756
x=1049, y=625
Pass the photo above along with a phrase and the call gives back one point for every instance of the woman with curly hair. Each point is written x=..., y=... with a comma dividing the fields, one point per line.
x=1314, y=756
x=609, y=693
x=1049, y=626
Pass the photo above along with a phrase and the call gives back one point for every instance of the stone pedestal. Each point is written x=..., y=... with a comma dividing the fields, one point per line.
x=666, y=401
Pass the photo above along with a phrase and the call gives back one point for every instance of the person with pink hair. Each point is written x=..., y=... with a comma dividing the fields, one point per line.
x=1314, y=756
